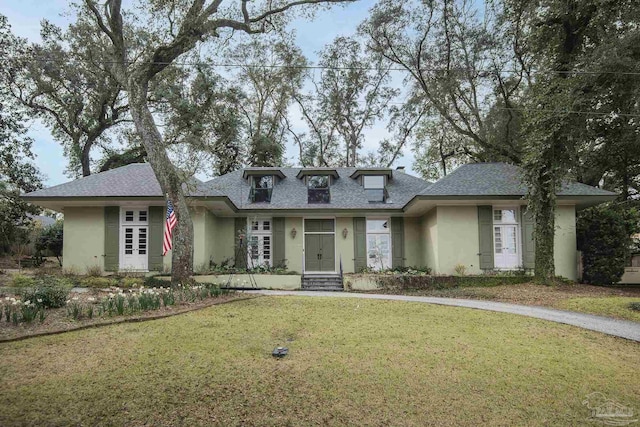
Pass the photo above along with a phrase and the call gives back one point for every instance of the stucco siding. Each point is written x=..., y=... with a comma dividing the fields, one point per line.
x=458, y=241
x=83, y=243
x=413, y=242
x=200, y=261
x=429, y=235
x=564, y=244
x=345, y=249
x=222, y=240
x=293, y=246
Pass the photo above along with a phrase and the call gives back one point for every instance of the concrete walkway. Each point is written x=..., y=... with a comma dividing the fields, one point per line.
x=607, y=325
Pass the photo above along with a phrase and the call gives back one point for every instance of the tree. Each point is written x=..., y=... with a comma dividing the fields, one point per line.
x=604, y=237
x=465, y=71
x=272, y=72
x=180, y=26
x=65, y=82
x=351, y=95
x=563, y=37
x=51, y=239
x=17, y=173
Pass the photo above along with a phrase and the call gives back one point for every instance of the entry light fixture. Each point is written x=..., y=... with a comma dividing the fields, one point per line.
x=345, y=233
x=293, y=233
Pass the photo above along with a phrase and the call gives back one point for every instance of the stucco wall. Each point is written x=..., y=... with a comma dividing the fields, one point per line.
x=83, y=243
x=211, y=229
x=200, y=234
x=293, y=246
x=458, y=241
x=344, y=246
x=222, y=240
x=429, y=235
x=412, y=242
x=564, y=245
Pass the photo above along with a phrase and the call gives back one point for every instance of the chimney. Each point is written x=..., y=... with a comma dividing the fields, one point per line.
x=400, y=168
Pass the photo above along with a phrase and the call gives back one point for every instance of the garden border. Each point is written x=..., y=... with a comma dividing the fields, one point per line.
x=134, y=319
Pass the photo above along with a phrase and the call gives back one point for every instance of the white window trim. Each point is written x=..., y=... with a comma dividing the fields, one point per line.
x=135, y=223
x=387, y=232
x=518, y=225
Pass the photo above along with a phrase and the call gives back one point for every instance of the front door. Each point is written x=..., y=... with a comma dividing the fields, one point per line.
x=319, y=245
x=505, y=238
x=135, y=255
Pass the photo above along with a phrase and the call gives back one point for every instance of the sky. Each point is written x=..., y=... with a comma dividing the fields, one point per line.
x=25, y=17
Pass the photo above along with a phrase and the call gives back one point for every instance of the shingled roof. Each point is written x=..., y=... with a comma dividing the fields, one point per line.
x=290, y=192
x=497, y=179
x=134, y=180
x=346, y=192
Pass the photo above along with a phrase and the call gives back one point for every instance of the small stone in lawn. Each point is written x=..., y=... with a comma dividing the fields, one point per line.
x=279, y=352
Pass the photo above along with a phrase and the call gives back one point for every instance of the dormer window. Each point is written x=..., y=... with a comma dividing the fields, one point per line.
x=261, y=188
x=318, y=189
x=374, y=188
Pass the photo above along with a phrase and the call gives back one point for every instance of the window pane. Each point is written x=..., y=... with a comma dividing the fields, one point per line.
x=266, y=225
x=497, y=215
x=318, y=181
x=378, y=225
x=373, y=181
x=142, y=216
x=254, y=225
x=508, y=215
x=263, y=181
x=318, y=195
x=497, y=238
x=128, y=216
x=376, y=195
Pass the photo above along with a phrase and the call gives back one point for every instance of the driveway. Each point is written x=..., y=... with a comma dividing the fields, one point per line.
x=607, y=325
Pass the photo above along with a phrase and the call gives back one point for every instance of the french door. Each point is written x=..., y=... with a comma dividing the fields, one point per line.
x=134, y=239
x=506, y=252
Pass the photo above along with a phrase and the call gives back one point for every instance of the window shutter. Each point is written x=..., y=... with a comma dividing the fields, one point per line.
x=156, y=235
x=397, y=242
x=111, y=238
x=528, y=242
x=485, y=229
x=241, y=255
x=278, y=243
x=360, y=243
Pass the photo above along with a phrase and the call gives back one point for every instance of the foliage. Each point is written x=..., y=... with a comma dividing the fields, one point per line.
x=93, y=271
x=48, y=292
x=50, y=239
x=22, y=281
x=350, y=96
x=410, y=282
x=613, y=306
x=635, y=306
x=604, y=237
x=16, y=311
x=460, y=269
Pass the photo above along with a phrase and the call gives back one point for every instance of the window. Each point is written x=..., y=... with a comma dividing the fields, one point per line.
x=261, y=189
x=374, y=188
x=506, y=241
x=505, y=216
x=259, y=243
x=318, y=189
x=378, y=244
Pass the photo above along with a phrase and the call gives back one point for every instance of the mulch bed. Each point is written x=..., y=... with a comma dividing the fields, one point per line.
x=58, y=321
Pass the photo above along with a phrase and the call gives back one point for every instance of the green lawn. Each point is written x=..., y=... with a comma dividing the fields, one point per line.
x=607, y=306
x=351, y=362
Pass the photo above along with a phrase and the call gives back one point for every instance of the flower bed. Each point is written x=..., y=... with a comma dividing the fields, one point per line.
x=399, y=282
x=22, y=317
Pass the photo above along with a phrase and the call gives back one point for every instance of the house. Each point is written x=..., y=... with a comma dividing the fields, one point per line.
x=317, y=220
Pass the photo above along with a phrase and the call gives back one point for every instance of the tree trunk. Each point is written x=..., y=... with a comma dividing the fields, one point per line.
x=542, y=201
x=182, y=260
x=85, y=159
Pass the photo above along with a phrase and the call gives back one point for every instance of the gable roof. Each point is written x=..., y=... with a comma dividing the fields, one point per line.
x=134, y=180
x=497, y=179
x=291, y=192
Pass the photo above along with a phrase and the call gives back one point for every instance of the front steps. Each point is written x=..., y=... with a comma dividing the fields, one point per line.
x=322, y=282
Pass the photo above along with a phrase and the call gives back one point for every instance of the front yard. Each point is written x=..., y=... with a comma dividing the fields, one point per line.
x=351, y=362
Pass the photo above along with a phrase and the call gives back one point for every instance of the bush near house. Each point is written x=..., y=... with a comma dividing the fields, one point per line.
x=402, y=282
x=604, y=237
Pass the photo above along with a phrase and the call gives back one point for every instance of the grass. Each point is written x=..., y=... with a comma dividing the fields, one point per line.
x=611, y=306
x=351, y=362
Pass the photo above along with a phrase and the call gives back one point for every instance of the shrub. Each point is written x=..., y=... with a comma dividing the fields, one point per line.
x=154, y=282
x=401, y=282
x=50, y=239
x=635, y=306
x=47, y=295
x=97, y=282
x=21, y=281
x=132, y=282
x=460, y=269
x=604, y=237
x=94, y=271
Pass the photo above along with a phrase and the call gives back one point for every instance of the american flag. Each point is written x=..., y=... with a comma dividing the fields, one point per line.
x=168, y=229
